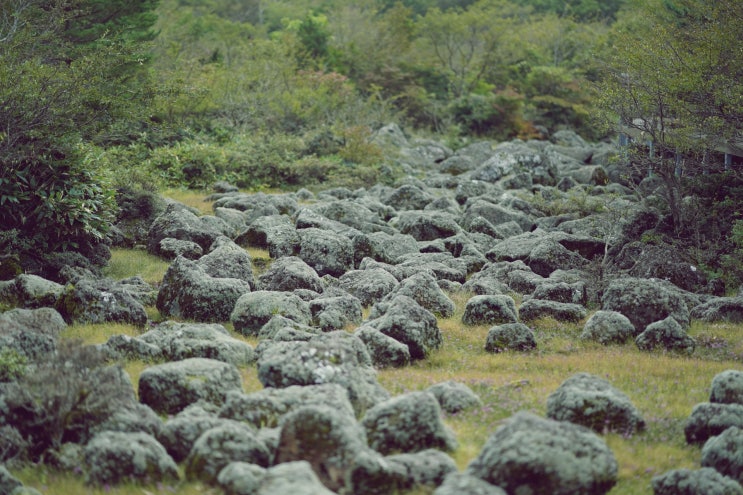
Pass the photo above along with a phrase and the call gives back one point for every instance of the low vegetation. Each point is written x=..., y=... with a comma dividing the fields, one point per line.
x=663, y=386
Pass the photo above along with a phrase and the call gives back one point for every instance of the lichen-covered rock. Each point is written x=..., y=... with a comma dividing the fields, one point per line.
x=168, y=388
x=383, y=247
x=289, y=273
x=29, y=342
x=8, y=482
x=644, y=302
x=720, y=309
x=424, y=290
x=385, y=352
x=593, y=402
x=608, y=327
x=510, y=337
x=240, y=478
x=30, y=291
x=337, y=357
x=443, y=266
x=407, y=423
x=282, y=325
x=179, y=433
x=115, y=457
x=187, y=291
x=178, y=222
x=253, y=310
x=454, y=397
x=228, y=260
x=727, y=387
x=128, y=347
x=466, y=484
x=426, y=468
x=490, y=310
x=406, y=321
x=326, y=438
x=132, y=418
x=266, y=408
x=529, y=454
x=724, y=453
x=273, y=232
x=408, y=197
x=369, y=286
x=296, y=477
x=170, y=249
x=533, y=309
x=563, y=292
x=705, y=481
x=666, y=334
x=374, y=474
x=327, y=252
x=99, y=301
x=179, y=341
x=428, y=225
x=709, y=419
x=336, y=312
x=217, y=447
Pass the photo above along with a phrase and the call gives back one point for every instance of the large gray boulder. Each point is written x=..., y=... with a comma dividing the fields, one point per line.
x=490, y=310
x=608, y=327
x=115, y=457
x=276, y=233
x=289, y=273
x=533, y=309
x=466, y=484
x=336, y=312
x=326, y=438
x=32, y=333
x=267, y=408
x=253, y=310
x=179, y=341
x=705, y=481
x=337, y=357
x=454, y=397
x=325, y=251
x=369, y=286
x=495, y=214
x=8, y=482
x=406, y=321
x=428, y=225
x=408, y=197
x=710, y=419
x=242, y=478
x=510, y=337
x=169, y=388
x=529, y=454
x=443, y=266
x=666, y=334
x=725, y=453
x=30, y=291
x=383, y=247
x=187, y=291
x=228, y=260
x=228, y=442
x=99, y=301
x=295, y=477
x=423, y=289
x=644, y=302
x=593, y=402
x=727, y=387
x=178, y=222
x=407, y=423
x=385, y=352
x=720, y=309
x=179, y=433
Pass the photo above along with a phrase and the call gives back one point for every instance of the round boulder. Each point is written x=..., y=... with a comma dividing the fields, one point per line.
x=608, y=327
x=510, y=337
x=705, y=481
x=255, y=309
x=490, y=310
x=727, y=387
x=725, y=453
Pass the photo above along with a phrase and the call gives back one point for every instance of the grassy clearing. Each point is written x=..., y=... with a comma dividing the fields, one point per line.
x=189, y=197
x=126, y=263
x=665, y=387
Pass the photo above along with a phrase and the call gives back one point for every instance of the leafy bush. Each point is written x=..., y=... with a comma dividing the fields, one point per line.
x=62, y=398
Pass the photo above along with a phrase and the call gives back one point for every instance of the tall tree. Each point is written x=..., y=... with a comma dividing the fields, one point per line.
x=64, y=78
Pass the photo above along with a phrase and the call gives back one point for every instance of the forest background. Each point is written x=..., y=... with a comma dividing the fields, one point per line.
x=103, y=102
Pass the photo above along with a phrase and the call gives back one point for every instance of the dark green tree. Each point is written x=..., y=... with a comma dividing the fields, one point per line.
x=69, y=69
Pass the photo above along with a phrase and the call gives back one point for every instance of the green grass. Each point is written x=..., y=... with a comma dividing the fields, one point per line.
x=126, y=263
x=665, y=387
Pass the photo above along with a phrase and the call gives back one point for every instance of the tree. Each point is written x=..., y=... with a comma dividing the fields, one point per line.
x=63, y=80
x=673, y=79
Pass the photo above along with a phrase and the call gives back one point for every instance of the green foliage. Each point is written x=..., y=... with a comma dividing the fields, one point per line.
x=61, y=398
x=12, y=365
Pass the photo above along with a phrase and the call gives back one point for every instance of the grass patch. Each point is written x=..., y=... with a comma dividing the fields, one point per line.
x=125, y=263
x=190, y=197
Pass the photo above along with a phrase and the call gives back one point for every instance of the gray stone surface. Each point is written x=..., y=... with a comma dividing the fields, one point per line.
x=530, y=454
x=490, y=310
x=705, y=481
x=369, y=286
x=510, y=337
x=533, y=309
x=709, y=419
x=169, y=388
x=408, y=423
x=289, y=273
x=595, y=403
x=608, y=327
x=30, y=291
x=253, y=310
x=423, y=289
x=385, y=352
x=454, y=396
x=466, y=484
x=724, y=453
x=727, y=387
x=115, y=457
x=99, y=301
x=644, y=302
x=666, y=334
x=327, y=252
x=406, y=321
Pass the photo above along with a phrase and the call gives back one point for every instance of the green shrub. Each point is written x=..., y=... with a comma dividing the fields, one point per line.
x=12, y=365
